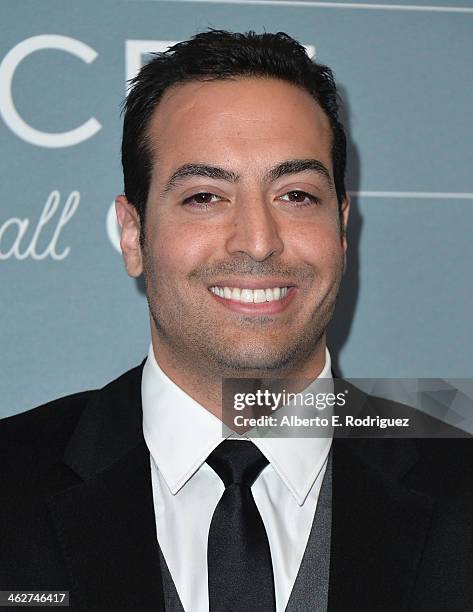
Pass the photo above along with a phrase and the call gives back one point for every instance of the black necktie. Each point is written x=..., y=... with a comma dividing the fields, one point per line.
x=238, y=554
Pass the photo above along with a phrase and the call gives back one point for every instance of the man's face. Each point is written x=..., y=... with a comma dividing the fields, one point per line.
x=243, y=253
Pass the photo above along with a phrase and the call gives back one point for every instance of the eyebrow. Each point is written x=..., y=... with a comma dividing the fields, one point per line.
x=292, y=166
x=295, y=166
x=191, y=170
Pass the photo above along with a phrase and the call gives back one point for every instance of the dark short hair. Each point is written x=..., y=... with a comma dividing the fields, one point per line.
x=214, y=55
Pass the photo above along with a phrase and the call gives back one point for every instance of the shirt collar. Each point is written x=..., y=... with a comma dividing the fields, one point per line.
x=180, y=434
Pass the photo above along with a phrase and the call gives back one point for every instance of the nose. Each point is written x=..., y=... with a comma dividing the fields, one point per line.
x=255, y=230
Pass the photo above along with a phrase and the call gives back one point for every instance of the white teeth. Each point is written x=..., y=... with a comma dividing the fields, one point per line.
x=250, y=296
x=247, y=295
x=259, y=296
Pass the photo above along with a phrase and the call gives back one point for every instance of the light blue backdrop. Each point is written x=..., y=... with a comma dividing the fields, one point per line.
x=70, y=317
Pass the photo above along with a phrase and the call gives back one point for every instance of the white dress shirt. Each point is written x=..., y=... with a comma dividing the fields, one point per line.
x=180, y=434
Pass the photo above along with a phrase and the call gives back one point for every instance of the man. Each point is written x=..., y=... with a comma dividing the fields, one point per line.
x=235, y=212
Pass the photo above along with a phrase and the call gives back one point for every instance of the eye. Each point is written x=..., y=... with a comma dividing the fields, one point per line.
x=301, y=198
x=201, y=200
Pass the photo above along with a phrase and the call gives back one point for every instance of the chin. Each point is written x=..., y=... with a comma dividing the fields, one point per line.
x=252, y=363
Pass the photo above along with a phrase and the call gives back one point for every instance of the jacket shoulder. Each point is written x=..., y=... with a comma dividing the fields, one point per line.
x=46, y=429
x=45, y=425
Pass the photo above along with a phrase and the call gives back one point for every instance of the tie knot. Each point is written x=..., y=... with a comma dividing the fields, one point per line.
x=237, y=462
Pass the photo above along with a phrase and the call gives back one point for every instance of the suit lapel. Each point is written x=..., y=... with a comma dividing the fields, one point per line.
x=106, y=524
x=378, y=527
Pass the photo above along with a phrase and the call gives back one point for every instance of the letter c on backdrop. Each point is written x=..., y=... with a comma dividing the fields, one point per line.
x=7, y=109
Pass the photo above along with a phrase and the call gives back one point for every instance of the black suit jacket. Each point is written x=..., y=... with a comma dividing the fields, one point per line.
x=77, y=512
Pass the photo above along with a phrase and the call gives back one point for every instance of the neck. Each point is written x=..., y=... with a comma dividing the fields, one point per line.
x=204, y=385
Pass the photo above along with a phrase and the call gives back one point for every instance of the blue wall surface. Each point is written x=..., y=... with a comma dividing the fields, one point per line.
x=70, y=317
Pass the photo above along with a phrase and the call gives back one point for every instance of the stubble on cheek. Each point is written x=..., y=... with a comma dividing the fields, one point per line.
x=199, y=339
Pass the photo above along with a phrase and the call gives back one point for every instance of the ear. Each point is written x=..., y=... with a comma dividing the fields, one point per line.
x=129, y=222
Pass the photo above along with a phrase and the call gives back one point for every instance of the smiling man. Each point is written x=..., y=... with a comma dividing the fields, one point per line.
x=243, y=215
x=136, y=497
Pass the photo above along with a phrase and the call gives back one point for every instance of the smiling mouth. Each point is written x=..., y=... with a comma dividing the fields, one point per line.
x=251, y=296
